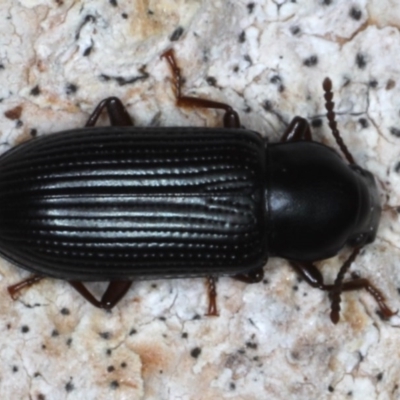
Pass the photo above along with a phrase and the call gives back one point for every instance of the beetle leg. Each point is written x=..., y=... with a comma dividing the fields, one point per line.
x=313, y=277
x=336, y=292
x=362, y=283
x=14, y=290
x=116, y=112
x=231, y=117
x=212, y=297
x=253, y=276
x=115, y=291
x=311, y=274
x=298, y=129
x=84, y=292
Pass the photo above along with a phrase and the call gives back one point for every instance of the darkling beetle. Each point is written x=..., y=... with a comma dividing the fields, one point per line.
x=120, y=203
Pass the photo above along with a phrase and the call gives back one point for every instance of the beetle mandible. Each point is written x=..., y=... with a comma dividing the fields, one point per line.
x=119, y=203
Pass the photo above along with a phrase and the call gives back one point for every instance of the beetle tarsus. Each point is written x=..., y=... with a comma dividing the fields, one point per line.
x=338, y=284
x=212, y=297
x=335, y=316
x=362, y=283
x=14, y=290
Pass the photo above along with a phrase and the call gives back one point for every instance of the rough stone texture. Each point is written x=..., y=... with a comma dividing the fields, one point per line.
x=267, y=59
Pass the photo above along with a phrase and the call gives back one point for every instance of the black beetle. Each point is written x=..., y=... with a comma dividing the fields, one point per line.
x=120, y=203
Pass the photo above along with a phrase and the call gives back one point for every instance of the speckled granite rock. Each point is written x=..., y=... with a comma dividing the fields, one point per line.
x=273, y=340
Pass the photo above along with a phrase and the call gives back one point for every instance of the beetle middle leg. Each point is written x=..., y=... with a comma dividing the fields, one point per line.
x=115, y=291
x=253, y=276
x=231, y=117
x=116, y=112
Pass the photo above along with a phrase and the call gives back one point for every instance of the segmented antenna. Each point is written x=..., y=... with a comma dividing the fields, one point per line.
x=329, y=105
x=337, y=286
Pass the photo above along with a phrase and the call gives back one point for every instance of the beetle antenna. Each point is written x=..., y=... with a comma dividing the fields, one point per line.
x=329, y=105
x=337, y=286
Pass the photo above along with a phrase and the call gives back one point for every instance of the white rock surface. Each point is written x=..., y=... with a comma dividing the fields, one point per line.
x=272, y=340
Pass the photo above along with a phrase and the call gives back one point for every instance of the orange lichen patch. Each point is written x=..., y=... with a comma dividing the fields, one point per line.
x=118, y=377
x=134, y=93
x=154, y=357
x=130, y=383
x=41, y=66
x=24, y=137
x=57, y=102
x=14, y=113
x=119, y=370
x=353, y=314
x=147, y=25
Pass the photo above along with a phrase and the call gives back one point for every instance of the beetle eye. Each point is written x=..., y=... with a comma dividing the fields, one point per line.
x=358, y=240
x=358, y=169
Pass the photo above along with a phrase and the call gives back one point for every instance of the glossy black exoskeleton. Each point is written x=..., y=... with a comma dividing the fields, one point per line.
x=120, y=203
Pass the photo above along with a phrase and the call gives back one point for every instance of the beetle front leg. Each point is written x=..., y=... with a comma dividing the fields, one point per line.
x=310, y=273
x=115, y=291
x=231, y=117
x=116, y=112
x=362, y=283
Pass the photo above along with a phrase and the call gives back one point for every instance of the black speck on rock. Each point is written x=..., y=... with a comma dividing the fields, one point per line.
x=311, y=61
x=355, y=13
x=35, y=91
x=361, y=60
x=176, y=34
x=69, y=387
x=195, y=352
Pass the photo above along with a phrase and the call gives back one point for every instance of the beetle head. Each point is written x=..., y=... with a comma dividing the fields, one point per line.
x=369, y=209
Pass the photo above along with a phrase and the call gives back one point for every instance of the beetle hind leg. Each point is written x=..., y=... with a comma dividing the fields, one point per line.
x=115, y=291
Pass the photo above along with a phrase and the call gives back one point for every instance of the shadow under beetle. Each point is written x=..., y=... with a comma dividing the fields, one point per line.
x=119, y=203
